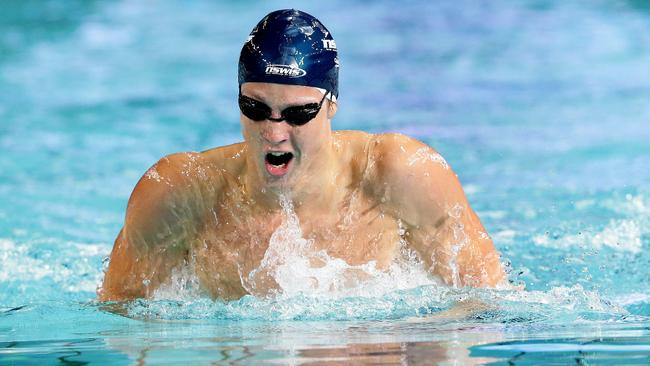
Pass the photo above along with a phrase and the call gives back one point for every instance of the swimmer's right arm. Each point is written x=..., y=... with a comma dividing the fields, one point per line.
x=161, y=215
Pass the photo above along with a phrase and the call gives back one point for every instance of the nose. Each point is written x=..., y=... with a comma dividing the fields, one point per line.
x=275, y=132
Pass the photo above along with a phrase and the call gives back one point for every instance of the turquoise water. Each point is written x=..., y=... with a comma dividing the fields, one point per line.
x=541, y=107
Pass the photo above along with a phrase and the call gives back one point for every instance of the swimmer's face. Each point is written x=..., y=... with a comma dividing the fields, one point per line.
x=283, y=153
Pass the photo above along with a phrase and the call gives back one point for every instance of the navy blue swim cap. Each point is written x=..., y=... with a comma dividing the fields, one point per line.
x=290, y=47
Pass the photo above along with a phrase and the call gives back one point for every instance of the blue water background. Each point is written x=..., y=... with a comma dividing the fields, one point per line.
x=541, y=107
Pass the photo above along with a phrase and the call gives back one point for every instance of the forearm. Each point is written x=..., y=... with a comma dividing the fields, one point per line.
x=471, y=250
x=457, y=250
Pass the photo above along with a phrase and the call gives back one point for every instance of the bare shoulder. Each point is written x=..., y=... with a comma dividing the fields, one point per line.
x=351, y=136
x=410, y=178
x=228, y=159
x=398, y=156
x=352, y=142
x=391, y=142
x=181, y=180
x=190, y=178
x=352, y=148
x=171, y=173
x=390, y=159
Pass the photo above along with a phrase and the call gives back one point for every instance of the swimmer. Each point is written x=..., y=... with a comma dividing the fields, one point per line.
x=357, y=196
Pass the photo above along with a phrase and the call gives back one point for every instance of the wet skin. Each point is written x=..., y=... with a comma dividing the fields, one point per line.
x=355, y=194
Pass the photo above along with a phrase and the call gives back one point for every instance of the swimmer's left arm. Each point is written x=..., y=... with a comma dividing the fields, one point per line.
x=423, y=192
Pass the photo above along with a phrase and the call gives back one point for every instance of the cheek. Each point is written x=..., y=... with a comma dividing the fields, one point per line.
x=311, y=139
x=322, y=130
x=318, y=127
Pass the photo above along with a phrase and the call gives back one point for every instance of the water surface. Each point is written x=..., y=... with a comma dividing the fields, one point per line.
x=539, y=106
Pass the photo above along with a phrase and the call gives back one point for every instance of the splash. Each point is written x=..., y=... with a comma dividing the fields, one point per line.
x=299, y=269
x=424, y=303
x=183, y=284
x=459, y=241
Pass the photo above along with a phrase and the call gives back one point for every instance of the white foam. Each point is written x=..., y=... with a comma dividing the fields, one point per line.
x=562, y=297
x=633, y=298
x=633, y=205
x=183, y=284
x=69, y=265
x=298, y=269
x=623, y=235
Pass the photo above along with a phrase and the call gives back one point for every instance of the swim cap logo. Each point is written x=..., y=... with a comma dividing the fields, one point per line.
x=285, y=70
x=329, y=44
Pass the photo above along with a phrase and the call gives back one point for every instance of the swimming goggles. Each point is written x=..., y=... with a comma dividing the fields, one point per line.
x=296, y=115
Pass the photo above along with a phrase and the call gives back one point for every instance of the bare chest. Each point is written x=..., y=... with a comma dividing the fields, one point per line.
x=239, y=246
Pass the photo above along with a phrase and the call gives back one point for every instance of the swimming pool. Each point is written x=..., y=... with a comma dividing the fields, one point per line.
x=541, y=107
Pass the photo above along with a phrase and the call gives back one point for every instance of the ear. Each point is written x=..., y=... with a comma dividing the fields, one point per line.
x=332, y=107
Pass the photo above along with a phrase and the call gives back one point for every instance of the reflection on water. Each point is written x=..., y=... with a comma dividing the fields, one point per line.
x=312, y=344
x=581, y=351
x=80, y=351
x=343, y=343
x=382, y=353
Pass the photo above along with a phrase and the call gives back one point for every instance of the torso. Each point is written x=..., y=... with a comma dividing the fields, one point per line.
x=236, y=233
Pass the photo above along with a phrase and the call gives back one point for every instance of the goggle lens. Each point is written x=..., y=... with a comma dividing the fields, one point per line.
x=296, y=115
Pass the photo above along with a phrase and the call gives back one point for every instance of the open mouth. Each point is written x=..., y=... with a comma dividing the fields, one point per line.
x=277, y=162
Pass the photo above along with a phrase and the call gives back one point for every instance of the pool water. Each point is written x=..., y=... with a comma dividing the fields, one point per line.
x=541, y=108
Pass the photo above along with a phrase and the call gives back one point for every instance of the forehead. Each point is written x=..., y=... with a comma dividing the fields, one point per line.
x=280, y=91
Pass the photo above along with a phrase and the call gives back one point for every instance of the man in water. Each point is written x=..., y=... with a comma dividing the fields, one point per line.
x=357, y=197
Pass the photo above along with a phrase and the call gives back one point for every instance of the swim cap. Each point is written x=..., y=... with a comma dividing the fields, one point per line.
x=290, y=47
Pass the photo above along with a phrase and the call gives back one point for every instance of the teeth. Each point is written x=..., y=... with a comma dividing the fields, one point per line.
x=274, y=153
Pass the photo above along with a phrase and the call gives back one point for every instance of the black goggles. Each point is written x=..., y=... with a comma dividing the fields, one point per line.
x=296, y=115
